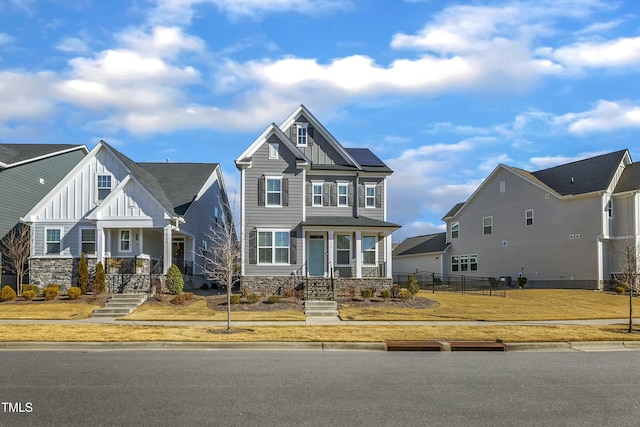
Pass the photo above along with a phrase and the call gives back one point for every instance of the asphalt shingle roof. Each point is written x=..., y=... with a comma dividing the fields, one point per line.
x=346, y=221
x=630, y=179
x=15, y=153
x=422, y=245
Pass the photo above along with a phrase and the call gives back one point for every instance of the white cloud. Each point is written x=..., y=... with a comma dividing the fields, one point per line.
x=73, y=45
x=5, y=38
x=25, y=96
x=599, y=27
x=621, y=52
x=606, y=116
x=546, y=162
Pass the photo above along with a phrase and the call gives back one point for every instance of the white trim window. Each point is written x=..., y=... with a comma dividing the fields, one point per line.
x=125, y=240
x=273, y=247
x=53, y=242
x=455, y=263
x=88, y=241
x=343, y=194
x=473, y=262
x=455, y=230
x=104, y=187
x=274, y=191
x=274, y=150
x=343, y=249
x=368, y=250
x=487, y=225
x=317, y=193
x=302, y=134
x=528, y=217
x=609, y=208
x=464, y=262
x=370, y=196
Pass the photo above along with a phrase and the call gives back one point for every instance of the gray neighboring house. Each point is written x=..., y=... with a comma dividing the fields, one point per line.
x=562, y=227
x=135, y=218
x=420, y=253
x=313, y=213
x=27, y=173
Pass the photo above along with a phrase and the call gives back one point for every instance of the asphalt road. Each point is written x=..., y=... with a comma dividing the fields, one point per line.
x=314, y=388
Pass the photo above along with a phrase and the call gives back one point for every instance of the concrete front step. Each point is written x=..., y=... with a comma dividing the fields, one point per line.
x=321, y=313
x=120, y=305
x=318, y=309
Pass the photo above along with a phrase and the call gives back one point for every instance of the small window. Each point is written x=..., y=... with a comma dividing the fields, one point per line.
x=455, y=263
x=302, y=134
x=274, y=191
x=528, y=217
x=317, y=194
x=487, y=224
x=274, y=150
x=503, y=186
x=343, y=249
x=53, y=241
x=370, y=196
x=125, y=240
x=369, y=250
x=343, y=191
x=455, y=228
x=88, y=241
x=104, y=186
x=610, y=208
x=473, y=262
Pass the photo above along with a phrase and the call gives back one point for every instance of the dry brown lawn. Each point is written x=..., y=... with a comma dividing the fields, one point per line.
x=47, y=311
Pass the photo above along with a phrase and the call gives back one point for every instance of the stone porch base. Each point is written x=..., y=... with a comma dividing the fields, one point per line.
x=344, y=287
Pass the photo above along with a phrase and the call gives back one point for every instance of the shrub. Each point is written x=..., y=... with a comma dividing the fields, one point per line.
x=385, y=294
x=413, y=286
x=405, y=294
x=366, y=293
x=100, y=281
x=273, y=299
x=235, y=299
x=396, y=290
x=83, y=274
x=29, y=294
x=204, y=286
x=351, y=291
x=619, y=289
x=7, y=293
x=54, y=286
x=51, y=292
x=29, y=287
x=74, y=292
x=521, y=282
x=175, y=282
x=179, y=299
x=245, y=291
x=253, y=298
x=188, y=296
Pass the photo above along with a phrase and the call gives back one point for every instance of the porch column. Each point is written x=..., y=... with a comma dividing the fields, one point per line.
x=330, y=249
x=388, y=257
x=100, y=244
x=167, y=249
x=358, y=254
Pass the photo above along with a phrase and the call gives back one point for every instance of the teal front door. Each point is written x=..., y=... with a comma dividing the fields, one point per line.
x=316, y=256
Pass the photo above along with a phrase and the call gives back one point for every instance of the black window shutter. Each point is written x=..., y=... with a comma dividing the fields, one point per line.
x=333, y=194
x=379, y=195
x=361, y=195
x=293, y=248
x=325, y=194
x=309, y=193
x=253, y=246
x=350, y=195
x=261, y=190
x=285, y=191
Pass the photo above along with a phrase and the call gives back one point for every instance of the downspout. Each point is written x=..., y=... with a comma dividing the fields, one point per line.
x=356, y=193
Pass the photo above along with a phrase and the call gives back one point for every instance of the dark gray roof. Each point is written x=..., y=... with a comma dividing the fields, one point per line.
x=15, y=153
x=367, y=159
x=347, y=221
x=583, y=176
x=454, y=210
x=630, y=179
x=174, y=185
x=421, y=245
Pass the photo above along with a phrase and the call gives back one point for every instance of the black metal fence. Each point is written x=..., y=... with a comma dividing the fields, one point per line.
x=475, y=285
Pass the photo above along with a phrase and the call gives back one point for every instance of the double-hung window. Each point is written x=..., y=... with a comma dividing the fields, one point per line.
x=274, y=191
x=368, y=250
x=88, y=241
x=464, y=262
x=104, y=186
x=473, y=262
x=53, y=241
x=455, y=263
x=343, y=249
x=302, y=134
x=528, y=217
x=273, y=247
x=487, y=225
x=125, y=240
x=317, y=194
x=343, y=194
x=455, y=230
x=370, y=196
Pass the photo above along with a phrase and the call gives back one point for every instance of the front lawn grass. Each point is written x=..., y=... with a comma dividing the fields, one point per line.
x=525, y=304
x=47, y=311
x=341, y=333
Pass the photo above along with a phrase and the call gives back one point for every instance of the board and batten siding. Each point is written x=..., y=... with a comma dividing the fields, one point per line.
x=560, y=245
x=318, y=149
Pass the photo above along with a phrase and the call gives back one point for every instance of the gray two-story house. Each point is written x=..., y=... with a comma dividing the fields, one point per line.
x=312, y=211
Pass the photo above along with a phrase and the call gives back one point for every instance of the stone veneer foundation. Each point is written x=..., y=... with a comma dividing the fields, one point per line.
x=277, y=285
x=61, y=271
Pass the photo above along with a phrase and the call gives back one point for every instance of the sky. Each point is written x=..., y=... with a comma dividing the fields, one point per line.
x=441, y=91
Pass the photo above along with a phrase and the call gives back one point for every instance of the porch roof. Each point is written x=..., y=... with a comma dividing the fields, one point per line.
x=347, y=221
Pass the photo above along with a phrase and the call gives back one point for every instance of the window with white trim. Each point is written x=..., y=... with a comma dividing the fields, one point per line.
x=274, y=150
x=455, y=230
x=609, y=208
x=317, y=194
x=104, y=186
x=455, y=263
x=273, y=247
x=464, y=262
x=343, y=194
x=370, y=196
x=274, y=191
x=343, y=249
x=302, y=134
x=528, y=217
x=53, y=241
x=88, y=241
x=125, y=240
x=487, y=225
x=473, y=262
x=368, y=250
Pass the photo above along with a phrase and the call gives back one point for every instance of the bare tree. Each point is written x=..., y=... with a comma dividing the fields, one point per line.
x=220, y=259
x=15, y=252
x=629, y=277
